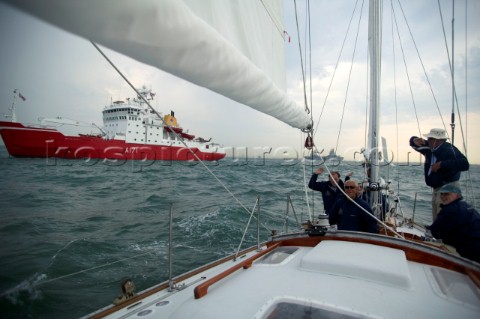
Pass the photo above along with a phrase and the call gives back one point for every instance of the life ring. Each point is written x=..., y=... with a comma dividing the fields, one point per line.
x=170, y=120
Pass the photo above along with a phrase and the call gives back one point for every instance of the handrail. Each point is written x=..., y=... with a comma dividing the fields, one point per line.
x=202, y=289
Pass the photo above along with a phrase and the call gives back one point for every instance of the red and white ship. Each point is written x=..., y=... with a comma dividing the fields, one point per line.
x=131, y=131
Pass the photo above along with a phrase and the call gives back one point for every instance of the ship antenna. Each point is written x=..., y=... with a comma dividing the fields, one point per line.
x=14, y=106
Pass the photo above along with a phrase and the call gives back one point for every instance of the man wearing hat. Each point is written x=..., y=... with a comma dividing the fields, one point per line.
x=457, y=224
x=443, y=162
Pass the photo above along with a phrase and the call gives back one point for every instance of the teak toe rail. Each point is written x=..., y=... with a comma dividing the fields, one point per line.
x=202, y=289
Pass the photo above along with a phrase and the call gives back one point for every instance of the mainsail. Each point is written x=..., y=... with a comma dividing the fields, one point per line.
x=216, y=44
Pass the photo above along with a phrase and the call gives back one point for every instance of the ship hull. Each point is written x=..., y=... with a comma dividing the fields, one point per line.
x=26, y=141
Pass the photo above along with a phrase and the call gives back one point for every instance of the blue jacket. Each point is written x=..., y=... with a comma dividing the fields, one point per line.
x=329, y=192
x=458, y=225
x=348, y=216
x=453, y=162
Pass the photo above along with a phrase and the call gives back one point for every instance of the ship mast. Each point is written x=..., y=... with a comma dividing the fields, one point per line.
x=375, y=36
x=14, y=106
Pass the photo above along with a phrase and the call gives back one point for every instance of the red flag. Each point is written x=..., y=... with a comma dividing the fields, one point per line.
x=21, y=96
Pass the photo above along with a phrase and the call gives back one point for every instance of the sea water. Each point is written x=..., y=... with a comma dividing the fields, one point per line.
x=70, y=231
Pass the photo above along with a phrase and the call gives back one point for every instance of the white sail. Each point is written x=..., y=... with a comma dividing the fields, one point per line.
x=240, y=61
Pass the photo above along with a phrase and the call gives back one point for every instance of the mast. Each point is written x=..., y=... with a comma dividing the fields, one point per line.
x=375, y=36
x=14, y=106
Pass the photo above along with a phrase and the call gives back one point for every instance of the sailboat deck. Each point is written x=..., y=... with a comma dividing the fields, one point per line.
x=345, y=278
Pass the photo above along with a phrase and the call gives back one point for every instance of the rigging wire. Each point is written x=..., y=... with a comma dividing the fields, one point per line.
x=387, y=227
x=349, y=76
x=395, y=92
x=452, y=70
x=303, y=67
x=367, y=92
x=448, y=55
x=308, y=32
x=454, y=91
x=310, y=58
x=275, y=22
x=365, y=131
x=468, y=182
x=466, y=76
x=336, y=66
x=181, y=140
x=301, y=60
x=421, y=62
x=90, y=269
x=407, y=72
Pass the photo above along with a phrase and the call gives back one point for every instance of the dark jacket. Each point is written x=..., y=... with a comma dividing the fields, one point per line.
x=453, y=162
x=329, y=192
x=458, y=225
x=348, y=216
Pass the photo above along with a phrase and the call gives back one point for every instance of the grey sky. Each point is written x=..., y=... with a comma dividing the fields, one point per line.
x=63, y=75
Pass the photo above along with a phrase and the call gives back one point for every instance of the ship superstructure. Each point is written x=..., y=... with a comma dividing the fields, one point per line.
x=131, y=131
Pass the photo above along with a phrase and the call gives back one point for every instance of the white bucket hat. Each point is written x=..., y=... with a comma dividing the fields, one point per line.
x=437, y=133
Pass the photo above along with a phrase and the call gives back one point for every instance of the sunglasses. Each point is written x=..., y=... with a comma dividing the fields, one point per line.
x=350, y=187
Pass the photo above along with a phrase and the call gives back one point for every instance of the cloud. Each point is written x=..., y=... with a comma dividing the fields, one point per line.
x=63, y=75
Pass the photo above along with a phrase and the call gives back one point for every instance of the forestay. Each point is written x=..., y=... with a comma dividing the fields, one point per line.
x=244, y=61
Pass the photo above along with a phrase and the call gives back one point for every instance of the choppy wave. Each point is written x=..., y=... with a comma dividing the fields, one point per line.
x=73, y=232
x=25, y=290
